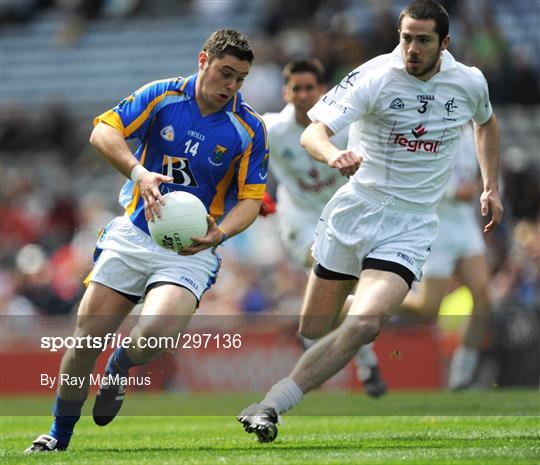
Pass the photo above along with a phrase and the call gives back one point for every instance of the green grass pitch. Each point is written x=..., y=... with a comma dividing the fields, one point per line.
x=484, y=428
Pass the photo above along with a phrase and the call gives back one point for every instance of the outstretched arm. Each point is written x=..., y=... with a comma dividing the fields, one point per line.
x=487, y=148
x=316, y=140
x=110, y=143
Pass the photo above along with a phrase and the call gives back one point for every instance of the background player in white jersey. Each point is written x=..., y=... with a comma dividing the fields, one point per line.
x=196, y=135
x=306, y=185
x=406, y=110
x=460, y=249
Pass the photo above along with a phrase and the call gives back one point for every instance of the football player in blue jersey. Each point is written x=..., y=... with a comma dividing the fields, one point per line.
x=196, y=135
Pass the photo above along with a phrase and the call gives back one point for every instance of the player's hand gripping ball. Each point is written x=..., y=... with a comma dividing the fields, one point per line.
x=182, y=217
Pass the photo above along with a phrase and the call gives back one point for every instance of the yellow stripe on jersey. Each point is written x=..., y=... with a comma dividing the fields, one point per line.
x=243, y=169
x=184, y=84
x=245, y=125
x=244, y=164
x=137, y=123
x=111, y=118
x=262, y=124
x=217, y=207
x=135, y=198
x=252, y=191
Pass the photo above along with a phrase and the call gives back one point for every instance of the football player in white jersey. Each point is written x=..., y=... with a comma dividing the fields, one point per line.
x=405, y=110
x=460, y=249
x=306, y=185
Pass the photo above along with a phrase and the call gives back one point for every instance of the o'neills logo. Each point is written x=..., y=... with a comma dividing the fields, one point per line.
x=430, y=146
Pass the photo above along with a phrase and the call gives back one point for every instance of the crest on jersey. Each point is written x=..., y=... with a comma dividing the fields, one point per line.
x=348, y=81
x=397, y=104
x=167, y=133
x=264, y=167
x=450, y=106
x=218, y=153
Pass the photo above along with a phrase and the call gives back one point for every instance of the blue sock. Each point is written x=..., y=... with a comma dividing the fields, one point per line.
x=66, y=414
x=119, y=362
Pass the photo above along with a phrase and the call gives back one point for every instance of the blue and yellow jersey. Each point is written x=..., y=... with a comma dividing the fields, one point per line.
x=221, y=158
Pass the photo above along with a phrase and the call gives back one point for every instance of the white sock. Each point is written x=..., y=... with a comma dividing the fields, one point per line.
x=366, y=356
x=283, y=395
x=462, y=367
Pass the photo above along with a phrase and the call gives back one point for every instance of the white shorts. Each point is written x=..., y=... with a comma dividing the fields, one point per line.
x=297, y=230
x=455, y=240
x=129, y=261
x=360, y=223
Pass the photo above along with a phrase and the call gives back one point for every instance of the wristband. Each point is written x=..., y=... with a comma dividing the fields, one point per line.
x=224, y=235
x=136, y=172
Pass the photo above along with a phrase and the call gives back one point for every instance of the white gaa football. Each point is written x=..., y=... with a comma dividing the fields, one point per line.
x=182, y=217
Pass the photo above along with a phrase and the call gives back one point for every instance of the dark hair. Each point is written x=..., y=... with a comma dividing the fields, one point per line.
x=428, y=9
x=228, y=42
x=304, y=66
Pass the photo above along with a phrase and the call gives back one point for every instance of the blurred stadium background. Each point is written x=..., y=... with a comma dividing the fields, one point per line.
x=65, y=61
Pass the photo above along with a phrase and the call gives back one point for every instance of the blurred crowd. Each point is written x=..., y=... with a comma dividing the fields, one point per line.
x=344, y=34
x=56, y=193
x=341, y=34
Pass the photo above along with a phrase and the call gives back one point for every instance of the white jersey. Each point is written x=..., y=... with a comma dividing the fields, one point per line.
x=304, y=183
x=407, y=130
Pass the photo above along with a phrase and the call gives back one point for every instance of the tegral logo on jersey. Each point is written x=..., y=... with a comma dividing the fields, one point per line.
x=419, y=131
x=178, y=169
x=313, y=172
x=218, y=153
x=430, y=146
x=167, y=133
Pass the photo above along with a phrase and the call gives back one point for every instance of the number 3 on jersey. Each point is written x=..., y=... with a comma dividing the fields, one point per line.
x=178, y=169
x=423, y=108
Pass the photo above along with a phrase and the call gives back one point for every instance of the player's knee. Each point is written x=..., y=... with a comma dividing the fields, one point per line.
x=95, y=327
x=85, y=345
x=152, y=340
x=147, y=334
x=79, y=356
x=364, y=329
x=156, y=327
